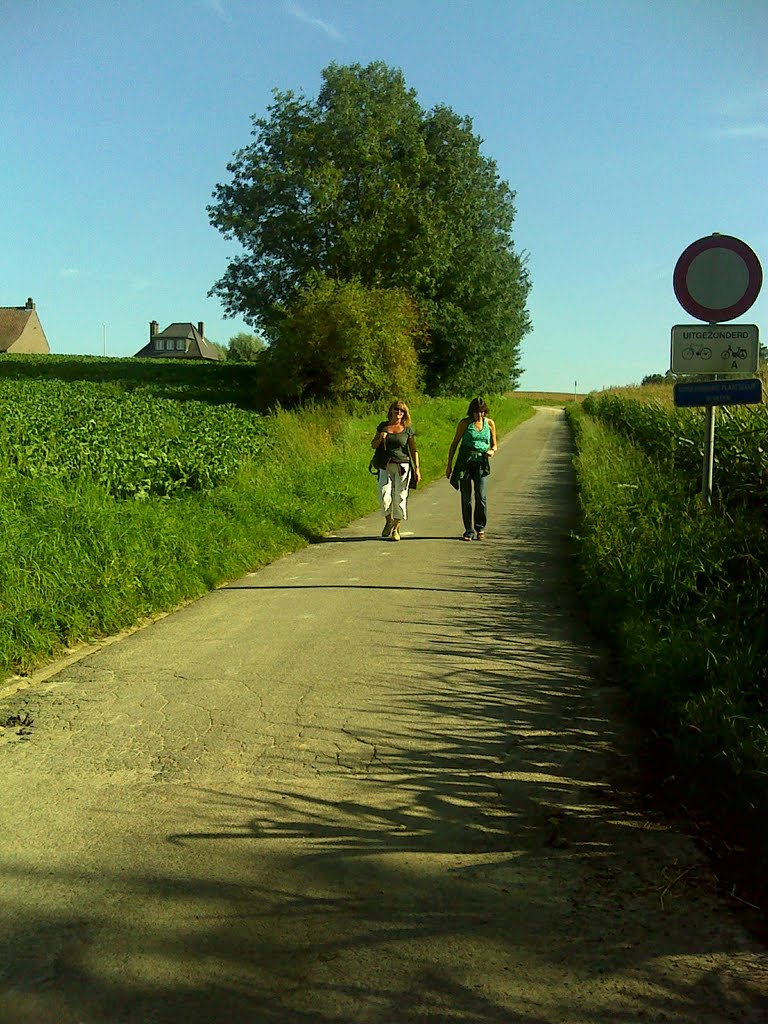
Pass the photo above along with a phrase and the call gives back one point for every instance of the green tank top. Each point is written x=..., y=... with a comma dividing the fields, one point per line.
x=475, y=443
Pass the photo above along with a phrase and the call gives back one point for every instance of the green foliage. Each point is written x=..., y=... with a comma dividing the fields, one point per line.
x=363, y=184
x=245, y=348
x=344, y=341
x=81, y=557
x=676, y=437
x=681, y=588
x=184, y=379
x=134, y=445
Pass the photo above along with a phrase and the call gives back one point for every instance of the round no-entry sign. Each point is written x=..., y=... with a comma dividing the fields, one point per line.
x=717, y=278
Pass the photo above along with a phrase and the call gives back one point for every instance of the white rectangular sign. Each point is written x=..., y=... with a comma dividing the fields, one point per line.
x=715, y=348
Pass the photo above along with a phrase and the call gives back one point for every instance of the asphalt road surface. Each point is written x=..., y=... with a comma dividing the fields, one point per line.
x=372, y=783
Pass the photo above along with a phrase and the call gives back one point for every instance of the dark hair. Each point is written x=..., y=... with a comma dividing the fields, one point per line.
x=477, y=407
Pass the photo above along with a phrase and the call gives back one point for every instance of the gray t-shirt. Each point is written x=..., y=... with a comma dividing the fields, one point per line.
x=397, y=444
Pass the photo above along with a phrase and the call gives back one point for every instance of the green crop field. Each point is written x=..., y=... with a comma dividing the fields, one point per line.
x=675, y=438
x=135, y=444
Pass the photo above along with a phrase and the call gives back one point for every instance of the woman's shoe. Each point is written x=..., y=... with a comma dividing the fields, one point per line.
x=481, y=534
x=396, y=530
x=467, y=536
x=388, y=527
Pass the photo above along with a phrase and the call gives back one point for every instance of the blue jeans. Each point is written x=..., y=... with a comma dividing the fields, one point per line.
x=473, y=477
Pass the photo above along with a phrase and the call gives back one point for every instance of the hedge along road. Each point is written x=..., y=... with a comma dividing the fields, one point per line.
x=372, y=783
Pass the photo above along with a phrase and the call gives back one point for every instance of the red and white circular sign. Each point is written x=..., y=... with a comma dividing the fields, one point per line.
x=717, y=278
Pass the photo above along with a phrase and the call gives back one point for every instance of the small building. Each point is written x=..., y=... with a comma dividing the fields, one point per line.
x=178, y=341
x=21, y=330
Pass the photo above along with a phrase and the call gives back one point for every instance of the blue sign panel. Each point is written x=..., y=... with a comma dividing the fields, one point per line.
x=719, y=392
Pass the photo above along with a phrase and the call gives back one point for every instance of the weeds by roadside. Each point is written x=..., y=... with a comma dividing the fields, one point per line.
x=681, y=589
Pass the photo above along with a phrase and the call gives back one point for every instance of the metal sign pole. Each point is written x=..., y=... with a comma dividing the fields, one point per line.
x=709, y=454
x=708, y=468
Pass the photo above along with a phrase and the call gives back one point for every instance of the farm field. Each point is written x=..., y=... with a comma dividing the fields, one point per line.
x=548, y=396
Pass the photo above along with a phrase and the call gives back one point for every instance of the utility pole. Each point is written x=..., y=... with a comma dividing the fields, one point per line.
x=103, y=338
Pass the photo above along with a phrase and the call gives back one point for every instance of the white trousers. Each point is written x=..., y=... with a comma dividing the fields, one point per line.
x=393, y=490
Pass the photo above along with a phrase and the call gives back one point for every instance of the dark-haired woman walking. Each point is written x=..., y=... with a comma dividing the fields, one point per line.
x=476, y=440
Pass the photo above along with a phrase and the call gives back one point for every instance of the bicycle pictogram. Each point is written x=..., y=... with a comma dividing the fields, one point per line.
x=734, y=353
x=702, y=352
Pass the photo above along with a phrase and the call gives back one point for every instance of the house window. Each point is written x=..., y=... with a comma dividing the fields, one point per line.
x=158, y=344
x=179, y=344
x=169, y=345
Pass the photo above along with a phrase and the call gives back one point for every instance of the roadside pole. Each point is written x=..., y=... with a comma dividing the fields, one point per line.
x=709, y=454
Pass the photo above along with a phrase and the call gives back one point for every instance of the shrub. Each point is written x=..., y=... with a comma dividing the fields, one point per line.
x=342, y=341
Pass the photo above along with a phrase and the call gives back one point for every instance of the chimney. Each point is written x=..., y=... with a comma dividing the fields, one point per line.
x=201, y=328
x=30, y=304
x=152, y=329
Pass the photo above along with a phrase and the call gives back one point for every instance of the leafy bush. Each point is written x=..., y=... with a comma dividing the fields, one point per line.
x=345, y=342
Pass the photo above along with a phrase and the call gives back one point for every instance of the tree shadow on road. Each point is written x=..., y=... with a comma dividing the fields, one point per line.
x=478, y=859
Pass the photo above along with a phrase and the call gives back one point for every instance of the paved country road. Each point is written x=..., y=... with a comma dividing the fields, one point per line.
x=372, y=783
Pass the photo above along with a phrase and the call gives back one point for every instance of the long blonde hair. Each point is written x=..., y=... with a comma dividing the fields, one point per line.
x=400, y=405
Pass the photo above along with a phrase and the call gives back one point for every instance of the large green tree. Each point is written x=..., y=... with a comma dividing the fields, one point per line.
x=363, y=184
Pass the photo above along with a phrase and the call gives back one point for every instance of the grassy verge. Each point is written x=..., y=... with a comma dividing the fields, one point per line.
x=680, y=589
x=78, y=562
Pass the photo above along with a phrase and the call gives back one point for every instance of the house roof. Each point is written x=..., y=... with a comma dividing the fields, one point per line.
x=189, y=333
x=13, y=320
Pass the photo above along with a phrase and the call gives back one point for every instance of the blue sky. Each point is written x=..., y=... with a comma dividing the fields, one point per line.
x=628, y=130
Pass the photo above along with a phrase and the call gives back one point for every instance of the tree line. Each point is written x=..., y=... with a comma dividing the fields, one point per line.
x=376, y=245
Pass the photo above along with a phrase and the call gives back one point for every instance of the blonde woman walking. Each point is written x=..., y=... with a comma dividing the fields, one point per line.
x=398, y=462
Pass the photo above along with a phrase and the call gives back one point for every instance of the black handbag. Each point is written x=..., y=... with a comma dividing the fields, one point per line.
x=380, y=459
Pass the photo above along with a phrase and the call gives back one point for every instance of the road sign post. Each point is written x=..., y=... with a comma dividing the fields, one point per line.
x=716, y=279
x=708, y=467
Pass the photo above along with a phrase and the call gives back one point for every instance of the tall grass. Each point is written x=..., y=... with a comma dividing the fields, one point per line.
x=681, y=589
x=83, y=556
x=675, y=437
